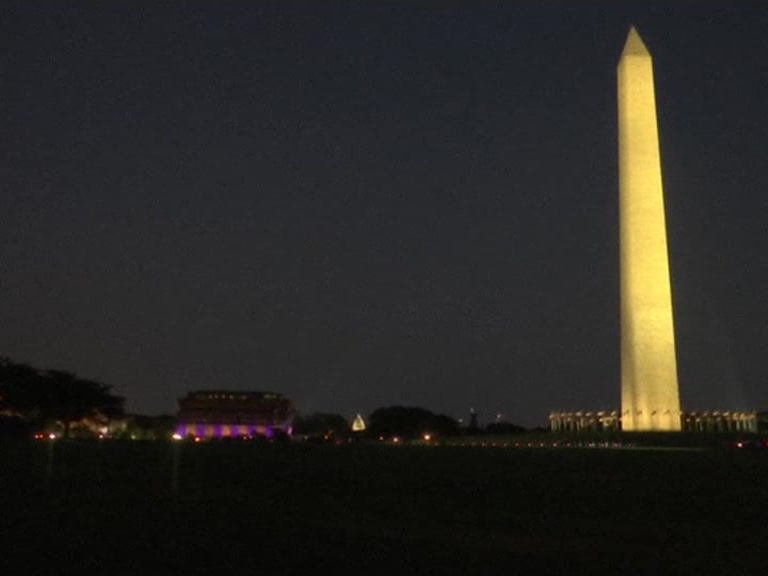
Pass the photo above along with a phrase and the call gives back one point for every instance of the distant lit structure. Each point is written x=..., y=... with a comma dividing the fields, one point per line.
x=358, y=425
x=224, y=414
x=709, y=421
x=593, y=421
x=722, y=421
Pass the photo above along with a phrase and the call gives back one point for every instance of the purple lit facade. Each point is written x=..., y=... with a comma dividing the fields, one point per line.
x=233, y=414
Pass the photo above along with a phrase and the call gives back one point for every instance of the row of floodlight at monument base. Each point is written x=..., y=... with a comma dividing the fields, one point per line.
x=706, y=421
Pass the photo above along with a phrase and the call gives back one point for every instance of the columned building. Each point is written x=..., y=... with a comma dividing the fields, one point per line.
x=228, y=413
x=708, y=421
x=593, y=421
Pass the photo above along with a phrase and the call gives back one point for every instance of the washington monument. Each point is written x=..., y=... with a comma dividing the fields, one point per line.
x=650, y=399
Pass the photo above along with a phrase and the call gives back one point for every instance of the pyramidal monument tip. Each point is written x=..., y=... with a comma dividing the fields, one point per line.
x=634, y=46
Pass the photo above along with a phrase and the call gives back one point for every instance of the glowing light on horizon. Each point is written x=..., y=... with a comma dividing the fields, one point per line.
x=358, y=425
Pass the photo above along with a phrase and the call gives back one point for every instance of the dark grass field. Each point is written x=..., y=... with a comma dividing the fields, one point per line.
x=285, y=508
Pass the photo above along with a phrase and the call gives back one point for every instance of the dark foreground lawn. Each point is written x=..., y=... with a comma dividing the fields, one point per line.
x=309, y=509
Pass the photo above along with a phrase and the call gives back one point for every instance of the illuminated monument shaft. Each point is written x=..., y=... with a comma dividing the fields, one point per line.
x=650, y=398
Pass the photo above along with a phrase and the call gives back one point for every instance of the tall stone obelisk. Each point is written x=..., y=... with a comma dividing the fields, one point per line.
x=650, y=398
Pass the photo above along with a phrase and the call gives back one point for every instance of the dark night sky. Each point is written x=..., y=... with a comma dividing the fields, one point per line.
x=369, y=203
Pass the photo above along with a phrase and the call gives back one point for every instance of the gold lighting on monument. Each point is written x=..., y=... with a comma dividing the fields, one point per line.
x=649, y=390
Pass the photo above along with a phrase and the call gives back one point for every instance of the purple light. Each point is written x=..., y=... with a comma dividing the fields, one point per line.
x=221, y=430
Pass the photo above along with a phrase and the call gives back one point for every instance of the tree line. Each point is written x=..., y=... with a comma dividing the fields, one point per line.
x=403, y=422
x=47, y=399
x=32, y=399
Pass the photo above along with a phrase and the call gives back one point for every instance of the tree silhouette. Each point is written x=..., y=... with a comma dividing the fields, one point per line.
x=54, y=396
x=410, y=422
x=21, y=389
x=71, y=399
x=320, y=425
x=504, y=428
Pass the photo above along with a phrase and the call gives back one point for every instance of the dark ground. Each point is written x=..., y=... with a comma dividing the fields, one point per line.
x=305, y=509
